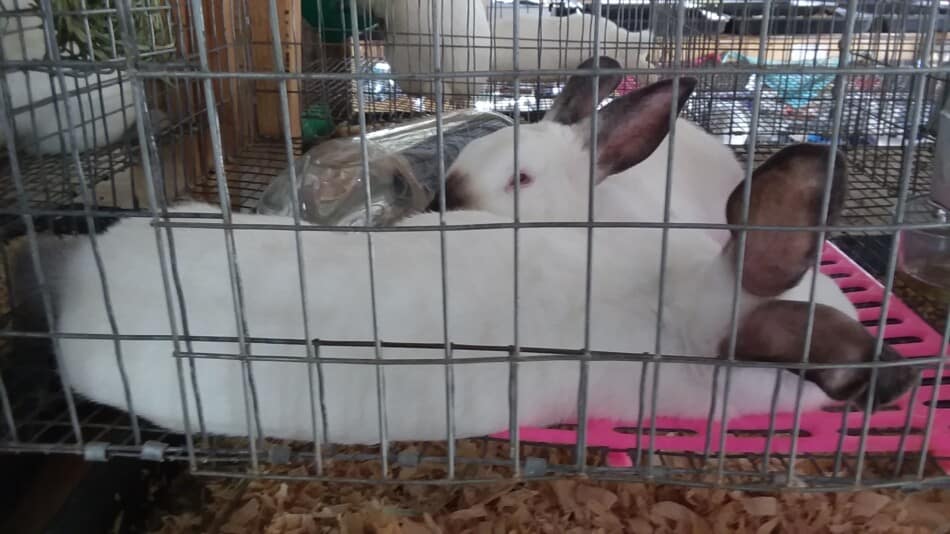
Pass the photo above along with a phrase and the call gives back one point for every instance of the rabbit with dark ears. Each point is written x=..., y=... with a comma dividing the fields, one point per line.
x=787, y=190
x=479, y=274
x=554, y=153
x=700, y=280
x=554, y=166
x=554, y=162
x=699, y=276
x=554, y=175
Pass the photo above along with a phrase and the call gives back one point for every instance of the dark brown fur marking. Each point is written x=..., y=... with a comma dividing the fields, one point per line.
x=576, y=101
x=787, y=190
x=775, y=332
x=457, y=196
x=632, y=126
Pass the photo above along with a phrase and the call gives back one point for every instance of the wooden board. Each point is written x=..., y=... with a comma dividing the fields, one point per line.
x=266, y=94
x=186, y=98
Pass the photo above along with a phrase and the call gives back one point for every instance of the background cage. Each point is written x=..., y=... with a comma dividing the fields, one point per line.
x=226, y=51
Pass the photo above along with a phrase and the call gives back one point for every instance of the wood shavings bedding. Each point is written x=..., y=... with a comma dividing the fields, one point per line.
x=577, y=505
x=571, y=505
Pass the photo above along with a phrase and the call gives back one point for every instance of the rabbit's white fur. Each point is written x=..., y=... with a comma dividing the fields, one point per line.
x=473, y=43
x=704, y=173
x=409, y=304
x=30, y=27
x=101, y=107
x=699, y=291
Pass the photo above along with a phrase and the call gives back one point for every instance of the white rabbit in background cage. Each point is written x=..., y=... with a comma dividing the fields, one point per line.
x=704, y=174
x=480, y=276
x=549, y=43
x=473, y=42
x=100, y=103
x=409, y=29
x=29, y=28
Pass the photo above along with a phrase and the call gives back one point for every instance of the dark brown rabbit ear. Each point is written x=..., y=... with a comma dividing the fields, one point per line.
x=775, y=332
x=631, y=127
x=787, y=190
x=577, y=99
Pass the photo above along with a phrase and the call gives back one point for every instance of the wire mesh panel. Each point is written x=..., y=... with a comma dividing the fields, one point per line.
x=367, y=235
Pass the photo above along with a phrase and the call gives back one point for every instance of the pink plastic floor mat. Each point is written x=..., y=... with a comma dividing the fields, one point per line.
x=819, y=431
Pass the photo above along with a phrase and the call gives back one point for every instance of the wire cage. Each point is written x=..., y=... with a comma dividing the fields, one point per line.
x=227, y=93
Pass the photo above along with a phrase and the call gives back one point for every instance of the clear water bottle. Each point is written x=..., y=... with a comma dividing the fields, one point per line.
x=403, y=171
x=925, y=252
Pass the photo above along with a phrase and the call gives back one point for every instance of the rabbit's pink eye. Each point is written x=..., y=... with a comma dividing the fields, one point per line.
x=524, y=180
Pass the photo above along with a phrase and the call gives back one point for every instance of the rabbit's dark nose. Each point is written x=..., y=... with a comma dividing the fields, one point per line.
x=892, y=382
x=854, y=385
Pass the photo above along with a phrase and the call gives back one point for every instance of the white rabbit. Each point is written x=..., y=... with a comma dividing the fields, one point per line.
x=409, y=48
x=704, y=173
x=30, y=27
x=101, y=106
x=553, y=175
x=473, y=43
x=480, y=281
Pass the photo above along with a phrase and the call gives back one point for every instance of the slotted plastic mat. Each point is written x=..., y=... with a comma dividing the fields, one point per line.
x=820, y=432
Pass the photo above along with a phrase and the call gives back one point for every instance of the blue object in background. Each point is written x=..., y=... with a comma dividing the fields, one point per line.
x=796, y=90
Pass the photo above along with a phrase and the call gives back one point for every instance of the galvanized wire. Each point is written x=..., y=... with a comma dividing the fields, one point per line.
x=891, y=270
x=150, y=154
x=839, y=90
x=740, y=259
x=249, y=390
x=294, y=181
